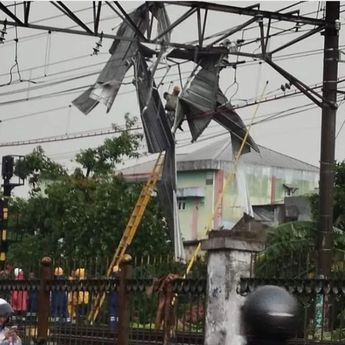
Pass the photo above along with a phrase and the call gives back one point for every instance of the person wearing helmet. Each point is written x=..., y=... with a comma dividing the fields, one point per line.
x=113, y=300
x=8, y=336
x=171, y=103
x=269, y=315
x=83, y=295
x=59, y=299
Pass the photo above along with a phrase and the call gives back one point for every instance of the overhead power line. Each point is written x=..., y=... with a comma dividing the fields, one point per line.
x=34, y=114
x=70, y=136
x=110, y=130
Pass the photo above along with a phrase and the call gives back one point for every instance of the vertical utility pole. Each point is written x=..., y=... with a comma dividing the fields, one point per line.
x=7, y=173
x=327, y=160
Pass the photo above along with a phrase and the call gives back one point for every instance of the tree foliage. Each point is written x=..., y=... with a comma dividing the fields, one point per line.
x=291, y=248
x=291, y=251
x=101, y=160
x=339, y=198
x=37, y=167
x=83, y=215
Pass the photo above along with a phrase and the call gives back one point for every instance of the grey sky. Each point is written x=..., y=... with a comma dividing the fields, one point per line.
x=296, y=135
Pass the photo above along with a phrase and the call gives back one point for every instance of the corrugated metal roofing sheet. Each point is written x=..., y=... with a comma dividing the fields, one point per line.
x=110, y=79
x=217, y=152
x=221, y=151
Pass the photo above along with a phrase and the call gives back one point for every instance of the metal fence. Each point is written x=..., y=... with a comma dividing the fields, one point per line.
x=145, y=266
x=156, y=309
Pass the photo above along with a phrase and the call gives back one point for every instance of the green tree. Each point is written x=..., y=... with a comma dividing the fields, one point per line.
x=339, y=198
x=101, y=160
x=83, y=215
x=291, y=251
x=291, y=248
x=37, y=167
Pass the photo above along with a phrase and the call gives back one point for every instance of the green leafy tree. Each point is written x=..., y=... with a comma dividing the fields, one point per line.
x=339, y=198
x=291, y=248
x=101, y=160
x=37, y=167
x=83, y=215
x=291, y=251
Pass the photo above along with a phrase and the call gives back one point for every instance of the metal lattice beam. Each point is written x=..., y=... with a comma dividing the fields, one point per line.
x=233, y=30
x=125, y=17
x=249, y=11
x=4, y=9
x=96, y=14
x=64, y=9
x=26, y=5
x=305, y=89
x=298, y=39
x=177, y=22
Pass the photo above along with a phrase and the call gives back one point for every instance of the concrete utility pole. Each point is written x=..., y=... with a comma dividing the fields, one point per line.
x=327, y=160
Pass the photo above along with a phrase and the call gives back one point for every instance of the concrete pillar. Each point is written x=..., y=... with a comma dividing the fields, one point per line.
x=229, y=259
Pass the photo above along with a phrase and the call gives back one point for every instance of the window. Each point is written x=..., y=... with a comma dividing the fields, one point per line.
x=181, y=205
x=209, y=181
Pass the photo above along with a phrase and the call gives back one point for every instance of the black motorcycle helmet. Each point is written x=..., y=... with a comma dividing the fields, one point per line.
x=270, y=312
x=5, y=308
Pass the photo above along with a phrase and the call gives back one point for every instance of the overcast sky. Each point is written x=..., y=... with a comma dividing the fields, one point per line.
x=59, y=62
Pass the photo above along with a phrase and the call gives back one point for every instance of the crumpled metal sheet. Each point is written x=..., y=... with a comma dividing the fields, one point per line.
x=109, y=81
x=156, y=127
x=166, y=191
x=198, y=101
x=159, y=12
x=203, y=101
x=229, y=119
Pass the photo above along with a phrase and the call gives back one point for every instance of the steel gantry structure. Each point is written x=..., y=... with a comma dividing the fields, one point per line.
x=204, y=45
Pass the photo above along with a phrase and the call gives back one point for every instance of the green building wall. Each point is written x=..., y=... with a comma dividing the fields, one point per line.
x=264, y=186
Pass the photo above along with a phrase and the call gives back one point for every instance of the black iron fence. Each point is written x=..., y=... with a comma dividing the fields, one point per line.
x=145, y=266
x=60, y=308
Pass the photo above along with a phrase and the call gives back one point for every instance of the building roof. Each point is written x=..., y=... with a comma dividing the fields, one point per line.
x=214, y=155
x=220, y=151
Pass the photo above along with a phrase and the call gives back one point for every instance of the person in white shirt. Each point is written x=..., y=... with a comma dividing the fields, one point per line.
x=8, y=336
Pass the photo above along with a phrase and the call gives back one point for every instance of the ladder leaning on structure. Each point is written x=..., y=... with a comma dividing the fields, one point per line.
x=130, y=230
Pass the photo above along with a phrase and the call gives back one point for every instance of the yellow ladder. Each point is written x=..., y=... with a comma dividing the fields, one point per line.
x=131, y=228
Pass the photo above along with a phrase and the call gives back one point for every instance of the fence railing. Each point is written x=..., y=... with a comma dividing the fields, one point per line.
x=57, y=309
x=145, y=266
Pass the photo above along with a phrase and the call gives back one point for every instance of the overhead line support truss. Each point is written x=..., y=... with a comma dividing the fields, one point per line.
x=96, y=15
x=27, y=5
x=298, y=39
x=125, y=17
x=233, y=31
x=4, y=9
x=176, y=22
x=250, y=12
x=310, y=93
x=64, y=9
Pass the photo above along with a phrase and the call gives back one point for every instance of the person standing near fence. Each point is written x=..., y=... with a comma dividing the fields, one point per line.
x=19, y=298
x=72, y=300
x=83, y=296
x=8, y=336
x=113, y=300
x=33, y=298
x=59, y=299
